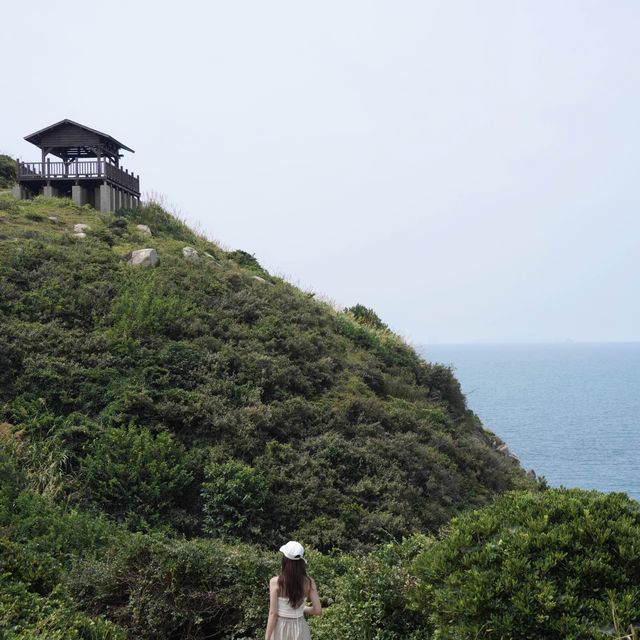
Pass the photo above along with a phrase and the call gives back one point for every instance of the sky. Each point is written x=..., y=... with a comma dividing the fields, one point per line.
x=467, y=169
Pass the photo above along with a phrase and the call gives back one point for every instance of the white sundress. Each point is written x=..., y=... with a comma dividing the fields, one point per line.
x=291, y=624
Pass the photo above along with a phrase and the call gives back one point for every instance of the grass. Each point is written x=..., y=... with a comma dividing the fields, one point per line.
x=29, y=219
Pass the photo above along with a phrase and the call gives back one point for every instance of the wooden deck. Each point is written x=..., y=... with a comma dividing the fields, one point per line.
x=79, y=170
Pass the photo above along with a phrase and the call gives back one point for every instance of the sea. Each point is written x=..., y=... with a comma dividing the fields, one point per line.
x=570, y=412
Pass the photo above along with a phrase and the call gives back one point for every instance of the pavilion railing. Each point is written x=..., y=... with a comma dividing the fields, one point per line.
x=74, y=170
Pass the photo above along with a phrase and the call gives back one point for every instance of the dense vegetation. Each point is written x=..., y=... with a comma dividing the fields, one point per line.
x=193, y=395
x=556, y=564
x=7, y=171
x=163, y=429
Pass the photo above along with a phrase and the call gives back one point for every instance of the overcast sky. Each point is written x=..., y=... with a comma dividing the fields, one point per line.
x=468, y=169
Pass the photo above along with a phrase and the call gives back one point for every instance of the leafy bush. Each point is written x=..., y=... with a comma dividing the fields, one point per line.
x=359, y=335
x=135, y=475
x=234, y=495
x=33, y=602
x=147, y=306
x=168, y=590
x=7, y=171
x=26, y=615
x=371, y=599
x=531, y=566
x=37, y=542
x=366, y=316
x=246, y=260
x=12, y=480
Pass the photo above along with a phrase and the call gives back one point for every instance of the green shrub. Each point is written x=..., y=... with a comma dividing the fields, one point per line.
x=360, y=335
x=147, y=306
x=53, y=284
x=370, y=601
x=162, y=589
x=535, y=565
x=7, y=171
x=246, y=260
x=439, y=379
x=27, y=615
x=233, y=496
x=38, y=541
x=366, y=316
x=103, y=235
x=12, y=479
x=117, y=226
x=135, y=475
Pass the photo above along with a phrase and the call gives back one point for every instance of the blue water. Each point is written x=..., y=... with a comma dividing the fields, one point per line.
x=571, y=412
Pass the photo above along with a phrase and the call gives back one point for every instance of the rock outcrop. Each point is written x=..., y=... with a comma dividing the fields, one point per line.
x=190, y=254
x=144, y=258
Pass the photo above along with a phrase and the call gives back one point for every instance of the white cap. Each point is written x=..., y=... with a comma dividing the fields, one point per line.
x=293, y=550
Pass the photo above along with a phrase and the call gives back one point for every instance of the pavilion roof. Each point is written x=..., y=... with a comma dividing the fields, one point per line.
x=37, y=137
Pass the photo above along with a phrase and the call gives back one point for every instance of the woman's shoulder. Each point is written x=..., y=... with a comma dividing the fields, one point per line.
x=273, y=583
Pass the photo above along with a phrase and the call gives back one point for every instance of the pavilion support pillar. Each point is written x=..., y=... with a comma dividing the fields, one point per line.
x=79, y=194
x=49, y=191
x=104, y=198
x=19, y=192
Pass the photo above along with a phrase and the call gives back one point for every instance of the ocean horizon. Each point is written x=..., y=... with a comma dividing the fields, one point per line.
x=568, y=410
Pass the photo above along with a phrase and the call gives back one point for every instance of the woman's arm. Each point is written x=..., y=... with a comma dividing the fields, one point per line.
x=273, y=608
x=316, y=608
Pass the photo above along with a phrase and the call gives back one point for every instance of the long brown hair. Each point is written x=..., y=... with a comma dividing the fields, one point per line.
x=292, y=581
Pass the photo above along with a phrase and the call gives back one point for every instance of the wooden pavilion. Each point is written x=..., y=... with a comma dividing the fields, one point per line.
x=88, y=169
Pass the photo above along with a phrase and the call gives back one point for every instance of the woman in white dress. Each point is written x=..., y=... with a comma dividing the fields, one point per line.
x=288, y=596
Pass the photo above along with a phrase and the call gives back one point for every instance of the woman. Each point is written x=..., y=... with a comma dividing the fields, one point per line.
x=288, y=594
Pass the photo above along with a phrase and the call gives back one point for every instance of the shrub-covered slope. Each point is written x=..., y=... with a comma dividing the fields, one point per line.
x=7, y=171
x=210, y=397
x=163, y=429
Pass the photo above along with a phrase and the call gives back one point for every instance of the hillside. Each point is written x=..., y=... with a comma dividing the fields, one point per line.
x=163, y=428
x=343, y=434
